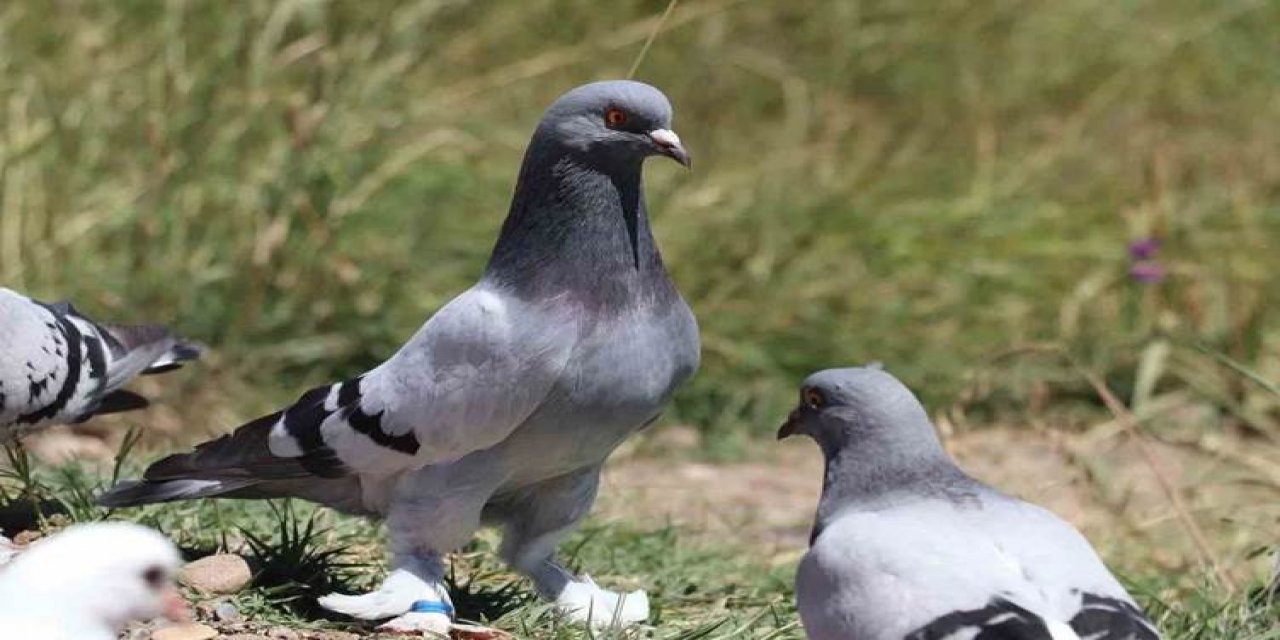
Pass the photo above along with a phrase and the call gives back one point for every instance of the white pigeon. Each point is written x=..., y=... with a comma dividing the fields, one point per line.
x=504, y=406
x=59, y=367
x=87, y=582
x=906, y=546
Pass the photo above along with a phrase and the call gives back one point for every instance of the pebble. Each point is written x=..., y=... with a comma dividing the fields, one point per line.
x=226, y=612
x=193, y=631
x=217, y=574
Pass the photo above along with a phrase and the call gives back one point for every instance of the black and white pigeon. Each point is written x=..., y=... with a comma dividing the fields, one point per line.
x=505, y=404
x=88, y=581
x=59, y=367
x=906, y=546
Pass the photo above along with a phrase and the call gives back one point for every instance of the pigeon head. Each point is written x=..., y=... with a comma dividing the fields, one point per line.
x=578, y=220
x=861, y=408
x=617, y=122
x=101, y=575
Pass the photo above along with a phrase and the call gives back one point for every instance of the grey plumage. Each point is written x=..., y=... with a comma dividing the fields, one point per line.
x=57, y=366
x=906, y=546
x=505, y=404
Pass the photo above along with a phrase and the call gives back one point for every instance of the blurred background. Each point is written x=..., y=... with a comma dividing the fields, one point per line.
x=994, y=198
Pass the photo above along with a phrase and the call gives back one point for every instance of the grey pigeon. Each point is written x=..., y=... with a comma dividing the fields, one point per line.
x=59, y=367
x=505, y=404
x=906, y=546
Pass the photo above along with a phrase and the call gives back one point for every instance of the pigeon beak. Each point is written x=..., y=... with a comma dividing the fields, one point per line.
x=175, y=607
x=791, y=427
x=668, y=144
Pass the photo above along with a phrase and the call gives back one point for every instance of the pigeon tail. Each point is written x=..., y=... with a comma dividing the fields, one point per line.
x=119, y=402
x=145, y=350
x=180, y=353
x=231, y=463
x=135, y=493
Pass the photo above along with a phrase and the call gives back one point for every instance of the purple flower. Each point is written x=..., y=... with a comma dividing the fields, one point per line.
x=1146, y=272
x=1144, y=248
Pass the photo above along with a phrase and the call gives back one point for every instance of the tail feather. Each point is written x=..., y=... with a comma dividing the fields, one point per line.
x=230, y=466
x=181, y=352
x=242, y=453
x=119, y=402
x=133, y=493
x=343, y=494
x=138, y=349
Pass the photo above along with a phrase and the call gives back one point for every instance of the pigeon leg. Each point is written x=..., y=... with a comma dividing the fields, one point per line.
x=536, y=524
x=434, y=511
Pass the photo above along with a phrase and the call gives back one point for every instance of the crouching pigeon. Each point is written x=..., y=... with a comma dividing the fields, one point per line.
x=88, y=581
x=905, y=546
x=505, y=404
x=59, y=367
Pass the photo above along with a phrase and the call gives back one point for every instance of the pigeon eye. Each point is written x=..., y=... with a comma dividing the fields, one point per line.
x=155, y=577
x=615, y=117
x=813, y=398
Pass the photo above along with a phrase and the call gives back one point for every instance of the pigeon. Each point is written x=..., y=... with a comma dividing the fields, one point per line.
x=59, y=367
x=906, y=546
x=503, y=407
x=88, y=581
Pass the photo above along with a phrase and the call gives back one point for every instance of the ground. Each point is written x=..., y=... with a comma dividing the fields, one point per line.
x=715, y=543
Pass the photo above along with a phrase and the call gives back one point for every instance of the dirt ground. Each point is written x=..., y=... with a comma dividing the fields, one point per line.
x=1099, y=481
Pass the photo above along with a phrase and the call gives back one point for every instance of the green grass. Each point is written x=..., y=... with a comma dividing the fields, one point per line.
x=946, y=187
x=299, y=184
x=698, y=590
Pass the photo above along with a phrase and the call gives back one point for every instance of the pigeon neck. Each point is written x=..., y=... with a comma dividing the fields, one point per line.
x=862, y=478
x=580, y=226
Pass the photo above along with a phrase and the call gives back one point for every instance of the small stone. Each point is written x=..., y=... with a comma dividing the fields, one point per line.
x=282, y=633
x=336, y=635
x=25, y=538
x=192, y=631
x=469, y=632
x=217, y=574
x=224, y=611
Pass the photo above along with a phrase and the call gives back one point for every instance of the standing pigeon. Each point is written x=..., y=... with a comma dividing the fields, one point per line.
x=88, y=582
x=505, y=404
x=57, y=366
x=905, y=546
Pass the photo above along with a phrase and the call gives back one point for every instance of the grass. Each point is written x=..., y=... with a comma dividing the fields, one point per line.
x=300, y=183
x=950, y=188
x=699, y=590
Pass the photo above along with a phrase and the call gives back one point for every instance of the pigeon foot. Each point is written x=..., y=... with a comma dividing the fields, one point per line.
x=585, y=602
x=430, y=625
x=401, y=593
x=370, y=606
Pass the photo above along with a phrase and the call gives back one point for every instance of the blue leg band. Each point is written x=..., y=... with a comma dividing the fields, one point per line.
x=431, y=606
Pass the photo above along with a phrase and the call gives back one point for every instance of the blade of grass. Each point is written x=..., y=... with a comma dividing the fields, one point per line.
x=657, y=28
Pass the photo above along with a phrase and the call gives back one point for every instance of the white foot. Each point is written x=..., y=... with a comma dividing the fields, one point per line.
x=583, y=601
x=370, y=606
x=397, y=595
x=432, y=624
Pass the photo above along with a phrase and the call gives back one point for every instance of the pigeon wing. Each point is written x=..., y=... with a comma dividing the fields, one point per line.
x=933, y=571
x=472, y=374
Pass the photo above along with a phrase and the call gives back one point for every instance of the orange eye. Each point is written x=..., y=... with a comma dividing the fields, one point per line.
x=814, y=399
x=615, y=117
